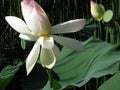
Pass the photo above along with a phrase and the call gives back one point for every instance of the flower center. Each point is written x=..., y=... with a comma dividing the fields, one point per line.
x=45, y=33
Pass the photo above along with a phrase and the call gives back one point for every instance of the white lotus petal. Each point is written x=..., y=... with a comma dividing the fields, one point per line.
x=26, y=10
x=46, y=42
x=28, y=37
x=68, y=42
x=18, y=24
x=69, y=26
x=47, y=58
x=56, y=51
x=32, y=57
x=34, y=22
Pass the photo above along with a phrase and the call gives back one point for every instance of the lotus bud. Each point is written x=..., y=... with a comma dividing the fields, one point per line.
x=97, y=10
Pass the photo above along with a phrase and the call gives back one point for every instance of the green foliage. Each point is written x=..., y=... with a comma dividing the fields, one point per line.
x=23, y=44
x=75, y=68
x=98, y=59
x=7, y=74
x=107, y=15
x=112, y=84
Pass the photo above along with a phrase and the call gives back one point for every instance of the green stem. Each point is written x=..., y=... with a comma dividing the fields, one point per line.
x=100, y=30
x=49, y=74
x=107, y=33
x=95, y=32
x=53, y=83
x=97, y=83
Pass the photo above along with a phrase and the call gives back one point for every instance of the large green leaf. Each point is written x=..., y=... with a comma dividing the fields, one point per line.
x=111, y=84
x=7, y=74
x=98, y=58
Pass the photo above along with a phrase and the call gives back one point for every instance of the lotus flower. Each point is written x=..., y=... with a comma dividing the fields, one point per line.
x=37, y=28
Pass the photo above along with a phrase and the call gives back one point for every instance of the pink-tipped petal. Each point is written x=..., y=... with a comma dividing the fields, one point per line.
x=34, y=23
x=42, y=19
x=91, y=3
x=27, y=1
x=26, y=10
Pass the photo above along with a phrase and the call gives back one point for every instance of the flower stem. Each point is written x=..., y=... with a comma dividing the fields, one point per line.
x=49, y=74
x=53, y=83
x=100, y=30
